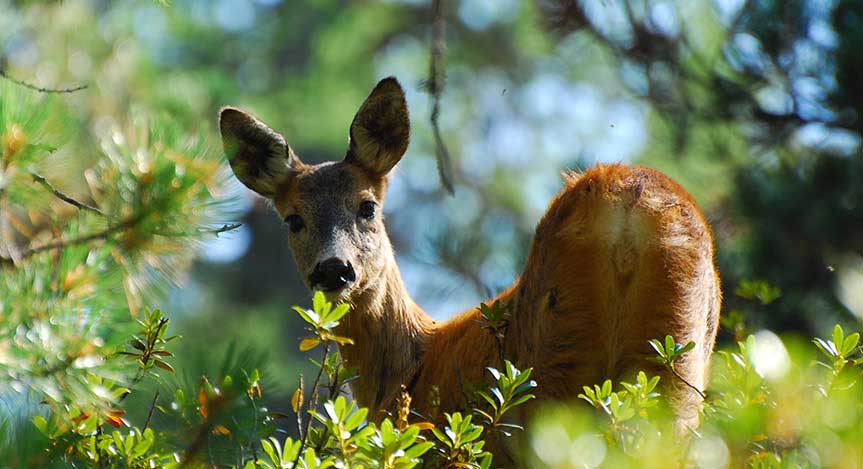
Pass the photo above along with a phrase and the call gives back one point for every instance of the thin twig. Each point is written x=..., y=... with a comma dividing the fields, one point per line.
x=334, y=391
x=681, y=378
x=97, y=236
x=102, y=235
x=223, y=228
x=300, y=407
x=215, y=231
x=254, y=427
x=62, y=243
x=312, y=401
x=64, y=197
x=435, y=85
x=39, y=88
x=150, y=413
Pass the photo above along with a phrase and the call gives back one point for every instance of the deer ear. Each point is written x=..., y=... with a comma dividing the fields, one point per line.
x=259, y=156
x=381, y=129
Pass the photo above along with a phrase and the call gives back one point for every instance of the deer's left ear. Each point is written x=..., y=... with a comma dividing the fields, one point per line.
x=381, y=129
x=259, y=156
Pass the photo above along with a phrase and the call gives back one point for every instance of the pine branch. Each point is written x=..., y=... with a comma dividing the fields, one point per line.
x=39, y=88
x=64, y=197
x=216, y=231
x=97, y=236
x=63, y=243
x=103, y=235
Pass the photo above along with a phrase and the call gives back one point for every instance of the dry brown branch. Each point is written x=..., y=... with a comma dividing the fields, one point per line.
x=40, y=89
x=434, y=86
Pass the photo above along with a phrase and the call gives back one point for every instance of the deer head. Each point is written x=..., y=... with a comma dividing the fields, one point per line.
x=332, y=210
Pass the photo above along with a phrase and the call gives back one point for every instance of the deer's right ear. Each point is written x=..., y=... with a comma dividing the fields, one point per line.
x=259, y=156
x=381, y=129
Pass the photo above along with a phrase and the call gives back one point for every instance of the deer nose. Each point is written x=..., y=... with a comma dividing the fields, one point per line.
x=332, y=274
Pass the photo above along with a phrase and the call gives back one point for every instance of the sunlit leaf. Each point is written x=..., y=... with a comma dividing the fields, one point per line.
x=309, y=343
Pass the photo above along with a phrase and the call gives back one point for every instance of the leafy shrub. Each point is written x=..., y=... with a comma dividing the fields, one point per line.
x=87, y=379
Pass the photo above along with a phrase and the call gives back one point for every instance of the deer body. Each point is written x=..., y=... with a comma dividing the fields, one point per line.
x=622, y=255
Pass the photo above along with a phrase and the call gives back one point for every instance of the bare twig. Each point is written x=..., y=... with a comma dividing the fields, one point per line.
x=216, y=231
x=62, y=243
x=39, y=88
x=97, y=236
x=300, y=407
x=434, y=86
x=64, y=197
x=223, y=228
x=312, y=400
x=101, y=236
x=150, y=413
x=682, y=379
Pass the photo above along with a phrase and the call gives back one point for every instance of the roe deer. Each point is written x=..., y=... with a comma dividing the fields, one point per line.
x=622, y=255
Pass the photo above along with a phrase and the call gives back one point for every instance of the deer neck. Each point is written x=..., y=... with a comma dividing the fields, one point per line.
x=390, y=333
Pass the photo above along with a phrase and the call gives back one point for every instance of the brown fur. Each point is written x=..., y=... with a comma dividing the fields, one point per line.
x=622, y=255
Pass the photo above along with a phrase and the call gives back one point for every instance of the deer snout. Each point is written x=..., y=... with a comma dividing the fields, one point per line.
x=332, y=274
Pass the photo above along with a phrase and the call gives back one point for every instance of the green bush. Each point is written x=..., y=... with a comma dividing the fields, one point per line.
x=90, y=380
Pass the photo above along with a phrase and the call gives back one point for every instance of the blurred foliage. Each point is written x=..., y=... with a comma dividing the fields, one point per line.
x=114, y=195
x=768, y=407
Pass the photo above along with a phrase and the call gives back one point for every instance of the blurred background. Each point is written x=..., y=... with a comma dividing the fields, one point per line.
x=753, y=106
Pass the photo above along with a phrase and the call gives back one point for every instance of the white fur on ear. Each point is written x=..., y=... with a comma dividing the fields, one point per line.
x=260, y=157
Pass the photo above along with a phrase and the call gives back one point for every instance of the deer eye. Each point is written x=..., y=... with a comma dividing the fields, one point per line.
x=367, y=210
x=295, y=223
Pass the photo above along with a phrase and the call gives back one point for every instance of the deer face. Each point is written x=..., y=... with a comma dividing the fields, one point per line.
x=333, y=211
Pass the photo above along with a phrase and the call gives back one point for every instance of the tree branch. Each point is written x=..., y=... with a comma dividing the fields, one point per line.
x=150, y=413
x=39, y=88
x=62, y=243
x=434, y=87
x=102, y=235
x=64, y=197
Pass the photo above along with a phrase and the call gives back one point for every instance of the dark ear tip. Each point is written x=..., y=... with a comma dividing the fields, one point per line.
x=229, y=115
x=389, y=84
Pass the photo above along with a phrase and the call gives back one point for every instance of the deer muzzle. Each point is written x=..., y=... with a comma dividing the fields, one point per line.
x=332, y=274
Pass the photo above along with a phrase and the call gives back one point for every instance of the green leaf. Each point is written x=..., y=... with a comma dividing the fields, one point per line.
x=136, y=343
x=271, y=450
x=487, y=398
x=356, y=419
x=651, y=385
x=838, y=335
x=338, y=312
x=689, y=346
x=850, y=343
x=826, y=346
x=163, y=365
x=418, y=449
x=440, y=436
x=657, y=346
x=606, y=387
x=320, y=304
x=309, y=316
x=41, y=424
x=520, y=400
